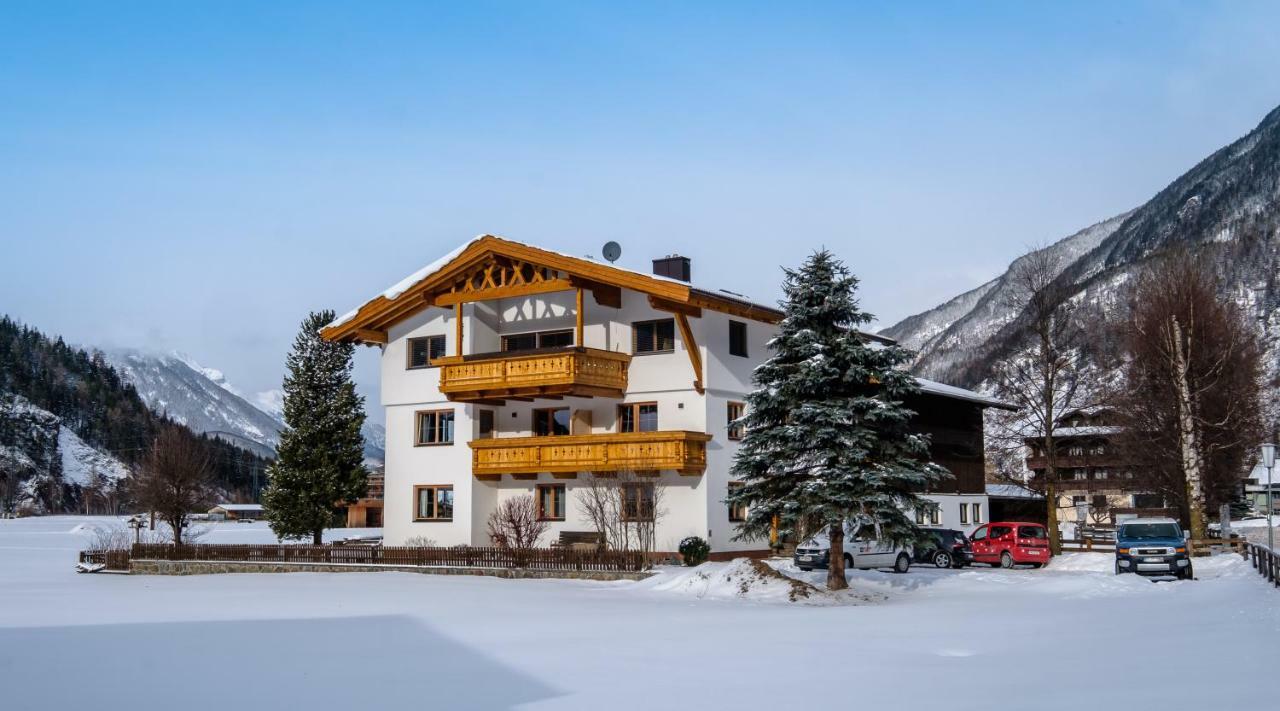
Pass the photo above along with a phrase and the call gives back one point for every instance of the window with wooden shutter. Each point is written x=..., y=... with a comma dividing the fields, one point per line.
x=423, y=350
x=653, y=336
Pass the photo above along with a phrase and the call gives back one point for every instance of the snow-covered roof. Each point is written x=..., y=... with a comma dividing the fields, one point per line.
x=1087, y=431
x=935, y=388
x=239, y=507
x=439, y=265
x=1011, y=491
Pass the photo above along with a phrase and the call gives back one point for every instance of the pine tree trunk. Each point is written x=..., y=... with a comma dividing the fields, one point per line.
x=835, y=562
x=317, y=537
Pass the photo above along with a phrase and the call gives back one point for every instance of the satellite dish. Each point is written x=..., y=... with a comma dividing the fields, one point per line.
x=611, y=251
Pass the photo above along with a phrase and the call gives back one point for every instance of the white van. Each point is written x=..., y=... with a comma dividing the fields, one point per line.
x=862, y=551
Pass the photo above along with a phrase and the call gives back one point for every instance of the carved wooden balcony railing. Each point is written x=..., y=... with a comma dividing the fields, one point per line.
x=1076, y=461
x=580, y=372
x=685, y=452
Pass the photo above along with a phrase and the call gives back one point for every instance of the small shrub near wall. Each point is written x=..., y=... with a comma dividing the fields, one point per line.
x=694, y=550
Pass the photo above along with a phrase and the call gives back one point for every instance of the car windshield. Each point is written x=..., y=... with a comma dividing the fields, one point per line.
x=1149, y=531
x=1031, y=532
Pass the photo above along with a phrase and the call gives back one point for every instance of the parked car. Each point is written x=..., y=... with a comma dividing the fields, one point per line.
x=1009, y=543
x=1152, y=546
x=950, y=549
x=861, y=551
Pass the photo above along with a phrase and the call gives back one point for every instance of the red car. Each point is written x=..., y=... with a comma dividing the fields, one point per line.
x=1009, y=543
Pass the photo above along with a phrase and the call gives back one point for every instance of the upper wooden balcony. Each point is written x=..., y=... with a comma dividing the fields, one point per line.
x=513, y=375
x=682, y=451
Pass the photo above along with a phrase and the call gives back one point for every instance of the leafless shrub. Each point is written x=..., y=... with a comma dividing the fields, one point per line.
x=420, y=542
x=515, y=524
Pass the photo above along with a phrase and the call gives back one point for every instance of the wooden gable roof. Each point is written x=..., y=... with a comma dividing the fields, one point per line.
x=491, y=267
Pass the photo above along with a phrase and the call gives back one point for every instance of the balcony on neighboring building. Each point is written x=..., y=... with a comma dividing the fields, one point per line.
x=684, y=452
x=554, y=372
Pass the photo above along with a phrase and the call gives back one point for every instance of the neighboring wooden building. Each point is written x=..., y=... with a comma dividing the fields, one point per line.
x=367, y=512
x=238, y=512
x=1095, y=484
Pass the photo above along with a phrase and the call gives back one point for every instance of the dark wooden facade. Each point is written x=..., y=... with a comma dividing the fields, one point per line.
x=956, y=441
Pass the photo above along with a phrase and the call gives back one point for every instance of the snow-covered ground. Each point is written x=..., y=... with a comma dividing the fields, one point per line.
x=1068, y=636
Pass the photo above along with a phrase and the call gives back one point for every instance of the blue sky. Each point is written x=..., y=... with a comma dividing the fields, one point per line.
x=198, y=176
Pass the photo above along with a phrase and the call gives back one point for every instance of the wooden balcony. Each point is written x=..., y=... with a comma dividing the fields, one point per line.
x=1079, y=461
x=685, y=452
x=522, y=375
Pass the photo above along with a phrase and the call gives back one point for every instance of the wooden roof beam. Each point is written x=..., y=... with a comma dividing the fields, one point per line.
x=674, y=307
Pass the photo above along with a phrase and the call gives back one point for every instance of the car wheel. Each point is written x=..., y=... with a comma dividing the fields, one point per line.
x=1006, y=560
x=806, y=569
x=848, y=562
x=942, y=559
x=1118, y=571
x=902, y=564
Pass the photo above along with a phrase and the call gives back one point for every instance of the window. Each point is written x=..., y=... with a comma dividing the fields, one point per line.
x=485, y=423
x=1000, y=531
x=1148, y=501
x=964, y=513
x=920, y=517
x=551, y=422
x=935, y=516
x=1100, y=501
x=1076, y=451
x=637, y=502
x=638, y=417
x=434, y=427
x=977, y=512
x=1079, y=474
x=653, y=336
x=540, y=339
x=1100, y=474
x=423, y=350
x=551, y=502
x=737, y=512
x=433, y=503
x=735, y=412
x=1079, y=500
x=979, y=535
x=738, y=338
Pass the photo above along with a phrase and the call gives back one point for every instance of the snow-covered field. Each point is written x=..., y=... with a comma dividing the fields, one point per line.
x=1066, y=637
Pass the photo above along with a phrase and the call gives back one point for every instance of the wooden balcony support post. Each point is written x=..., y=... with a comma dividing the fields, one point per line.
x=690, y=345
x=457, y=329
x=578, y=331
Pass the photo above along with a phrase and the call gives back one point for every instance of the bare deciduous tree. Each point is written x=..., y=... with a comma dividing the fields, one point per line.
x=1044, y=381
x=515, y=524
x=174, y=479
x=1194, y=376
x=625, y=509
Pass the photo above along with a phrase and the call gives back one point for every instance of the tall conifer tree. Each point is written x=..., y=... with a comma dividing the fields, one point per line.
x=320, y=459
x=826, y=434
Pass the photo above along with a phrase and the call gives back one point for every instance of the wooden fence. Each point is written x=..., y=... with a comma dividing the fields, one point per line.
x=562, y=559
x=1265, y=561
x=110, y=559
x=1199, y=547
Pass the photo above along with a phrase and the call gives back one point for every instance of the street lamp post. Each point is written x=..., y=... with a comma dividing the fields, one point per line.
x=1269, y=461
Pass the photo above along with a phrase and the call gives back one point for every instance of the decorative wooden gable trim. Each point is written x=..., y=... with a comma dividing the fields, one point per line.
x=494, y=268
x=500, y=277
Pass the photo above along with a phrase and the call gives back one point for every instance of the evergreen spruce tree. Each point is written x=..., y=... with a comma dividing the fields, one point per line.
x=319, y=462
x=826, y=435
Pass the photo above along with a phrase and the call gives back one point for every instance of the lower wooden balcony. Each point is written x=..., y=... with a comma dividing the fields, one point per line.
x=684, y=452
x=497, y=377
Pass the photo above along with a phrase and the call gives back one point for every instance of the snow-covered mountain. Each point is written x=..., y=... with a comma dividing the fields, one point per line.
x=1227, y=208
x=43, y=454
x=197, y=397
x=202, y=399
